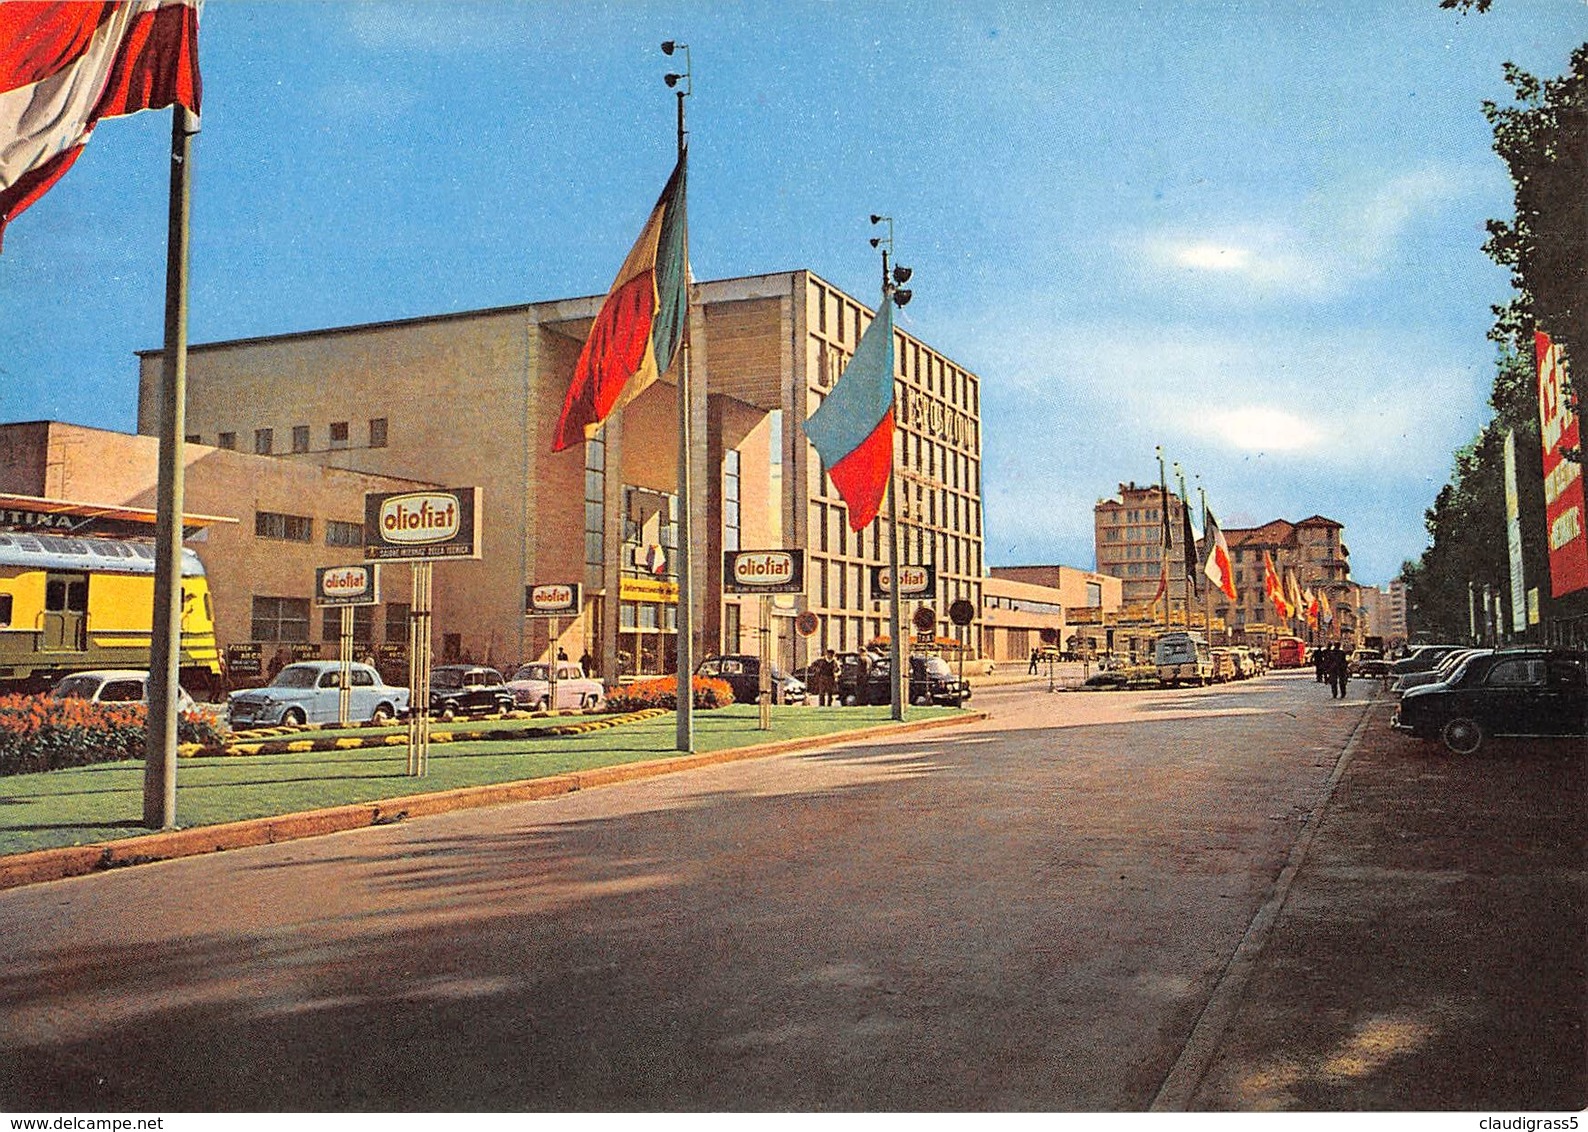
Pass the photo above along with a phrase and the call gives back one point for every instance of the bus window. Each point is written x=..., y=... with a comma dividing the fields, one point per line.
x=5, y=609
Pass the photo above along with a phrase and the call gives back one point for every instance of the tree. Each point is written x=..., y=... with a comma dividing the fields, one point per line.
x=1544, y=142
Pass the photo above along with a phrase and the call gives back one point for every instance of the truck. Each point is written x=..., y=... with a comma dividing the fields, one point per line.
x=1183, y=657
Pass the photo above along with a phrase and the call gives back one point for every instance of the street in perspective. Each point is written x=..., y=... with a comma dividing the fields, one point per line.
x=798, y=558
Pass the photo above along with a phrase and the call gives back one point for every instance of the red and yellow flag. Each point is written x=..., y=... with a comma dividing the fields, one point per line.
x=640, y=325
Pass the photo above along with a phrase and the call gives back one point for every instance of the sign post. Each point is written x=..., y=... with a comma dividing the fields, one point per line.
x=765, y=573
x=553, y=600
x=421, y=527
x=346, y=587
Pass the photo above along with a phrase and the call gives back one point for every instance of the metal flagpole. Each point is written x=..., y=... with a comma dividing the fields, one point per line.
x=896, y=653
x=165, y=645
x=1207, y=610
x=685, y=740
x=1163, y=501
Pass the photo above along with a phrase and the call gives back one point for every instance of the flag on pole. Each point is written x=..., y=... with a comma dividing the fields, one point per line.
x=1273, y=589
x=853, y=428
x=1325, y=610
x=1298, y=607
x=639, y=328
x=64, y=66
x=1218, y=569
x=1188, y=536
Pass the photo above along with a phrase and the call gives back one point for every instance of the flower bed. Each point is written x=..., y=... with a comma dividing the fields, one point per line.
x=39, y=733
x=662, y=693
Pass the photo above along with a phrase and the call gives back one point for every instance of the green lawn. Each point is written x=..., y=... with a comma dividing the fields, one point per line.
x=105, y=802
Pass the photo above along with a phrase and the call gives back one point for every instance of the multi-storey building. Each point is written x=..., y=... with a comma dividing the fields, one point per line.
x=1129, y=533
x=1027, y=607
x=472, y=399
x=1313, y=550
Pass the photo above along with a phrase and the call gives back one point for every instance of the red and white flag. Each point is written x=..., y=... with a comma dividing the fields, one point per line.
x=64, y=66
x=1218, y=568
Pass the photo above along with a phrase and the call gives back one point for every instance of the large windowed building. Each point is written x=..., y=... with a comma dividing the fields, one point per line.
x=472, y=399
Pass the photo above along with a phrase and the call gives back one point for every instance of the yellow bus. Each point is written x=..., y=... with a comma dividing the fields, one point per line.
x=70, y=603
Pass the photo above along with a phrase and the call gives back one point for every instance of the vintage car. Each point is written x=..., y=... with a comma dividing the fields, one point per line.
x=531, y=687
x=743, y=674
x=114, y=686
x=1225, y=666
x=932, y=681
x=1441, y=671
x=1368, y=664
x=309, y=691
x=1530, y=692
x=468, y=689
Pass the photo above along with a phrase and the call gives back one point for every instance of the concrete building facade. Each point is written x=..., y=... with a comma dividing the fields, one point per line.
x=1129, y=534
x=472, y=399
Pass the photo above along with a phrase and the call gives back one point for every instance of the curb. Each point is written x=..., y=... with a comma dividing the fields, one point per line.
x=445, y=733
x=44, y=865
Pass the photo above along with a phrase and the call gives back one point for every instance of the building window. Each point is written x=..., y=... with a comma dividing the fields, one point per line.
x=730, y=627
x=300, y=438
x=338, y=434
x=192, y=438
x=377, y=432
x=290, y=528
x=226, y=440
x=281, y=619
x=339, y=533
x=264, y=441
x=730, y=499
x=397, y=622
x=363, y=624
x=595, y=462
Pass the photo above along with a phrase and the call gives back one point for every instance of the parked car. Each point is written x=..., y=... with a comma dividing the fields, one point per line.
x=1534, y=692
x=114, y=686
x=1422, y=658
x=531, y=687
x=1369, y=664
x=307, y=692
x=932, y=681
x=743, y=674
x=1224, y=665
x=1248, y=661
x=1441, y=671
x=468, y=689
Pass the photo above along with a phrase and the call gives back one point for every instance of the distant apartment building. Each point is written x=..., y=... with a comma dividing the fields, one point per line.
x=1129, y=536
x=1029, y=607
x=1314, y=550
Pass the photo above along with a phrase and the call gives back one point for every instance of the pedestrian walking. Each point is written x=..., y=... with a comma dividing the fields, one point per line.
x=1320, y=663
x=1032, y=671
x=825, y=674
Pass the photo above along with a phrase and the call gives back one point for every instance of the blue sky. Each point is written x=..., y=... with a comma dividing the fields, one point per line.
x=1248, y=232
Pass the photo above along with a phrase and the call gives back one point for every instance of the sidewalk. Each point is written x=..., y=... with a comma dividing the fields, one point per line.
x=1431, y=949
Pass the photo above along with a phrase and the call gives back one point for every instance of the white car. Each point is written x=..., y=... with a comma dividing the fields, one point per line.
x=309, y=692
x=531, y=687
x=114, y=686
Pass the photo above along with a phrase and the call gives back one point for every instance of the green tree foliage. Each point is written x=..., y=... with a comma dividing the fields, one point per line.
x=1466, y=524
x=1543, y=139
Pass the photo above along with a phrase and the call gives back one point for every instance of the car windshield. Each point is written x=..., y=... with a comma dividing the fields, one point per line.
x=446, y=678
x=532, y=672
x=937, y=666
x=295, y=676
x=77, y=687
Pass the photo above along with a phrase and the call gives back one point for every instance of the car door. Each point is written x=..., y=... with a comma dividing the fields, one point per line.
x=361, y=701
x=1510, y=697
x=326, y=701
x=1563, y=707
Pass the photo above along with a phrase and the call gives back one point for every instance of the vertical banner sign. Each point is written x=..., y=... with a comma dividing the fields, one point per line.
x=1563, y=490
x=1513, y=537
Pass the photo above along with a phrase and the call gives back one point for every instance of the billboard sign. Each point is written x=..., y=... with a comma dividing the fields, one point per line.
x=347, y=585
x=763, y=571
x=553, y=599
x=419, y=525
x=916, y=583
x=1563, y=489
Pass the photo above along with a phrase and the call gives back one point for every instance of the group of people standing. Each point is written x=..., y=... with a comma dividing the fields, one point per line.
x=1333, y=667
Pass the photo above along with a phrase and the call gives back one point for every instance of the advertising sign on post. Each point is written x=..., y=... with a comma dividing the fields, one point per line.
x=421, y=525
x=553, y=599
x=916, y=583
x=347, y=585
x=1563, y=490
x=763, y=572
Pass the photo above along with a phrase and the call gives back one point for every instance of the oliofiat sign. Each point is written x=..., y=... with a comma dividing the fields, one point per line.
x=763, y=571
x=347, y=585
x=439, y=523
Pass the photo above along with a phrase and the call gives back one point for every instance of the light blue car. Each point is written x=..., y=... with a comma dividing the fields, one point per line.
x=307, y=692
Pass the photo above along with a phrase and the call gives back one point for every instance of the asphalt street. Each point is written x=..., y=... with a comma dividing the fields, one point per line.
x=1067, y=907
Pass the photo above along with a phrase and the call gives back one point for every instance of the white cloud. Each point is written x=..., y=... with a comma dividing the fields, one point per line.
x=1257, y=428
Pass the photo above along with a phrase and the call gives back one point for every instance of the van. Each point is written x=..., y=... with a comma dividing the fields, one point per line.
x=1183, y=658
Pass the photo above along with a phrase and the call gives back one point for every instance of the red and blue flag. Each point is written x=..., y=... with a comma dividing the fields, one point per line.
x=853, y=428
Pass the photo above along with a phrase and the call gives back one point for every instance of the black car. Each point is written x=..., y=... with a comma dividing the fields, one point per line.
x=468, y=689
x=743, y=674
x=932, y=681
x=1423, y=658
x=1509, y=693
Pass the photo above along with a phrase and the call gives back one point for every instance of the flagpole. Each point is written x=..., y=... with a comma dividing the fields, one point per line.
x=165, y=644
x=1207, y=609
x=685, y=647
x=1163, y=501
x=896, y=653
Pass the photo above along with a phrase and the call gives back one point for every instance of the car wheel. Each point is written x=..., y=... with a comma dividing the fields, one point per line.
x=293, y=717
x=589, y=703
x=383, y=713
x=449, y=711
x=1462, y=736
x=543, y=704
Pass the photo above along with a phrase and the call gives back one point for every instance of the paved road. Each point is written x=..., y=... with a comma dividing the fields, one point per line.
x=1030, y=913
